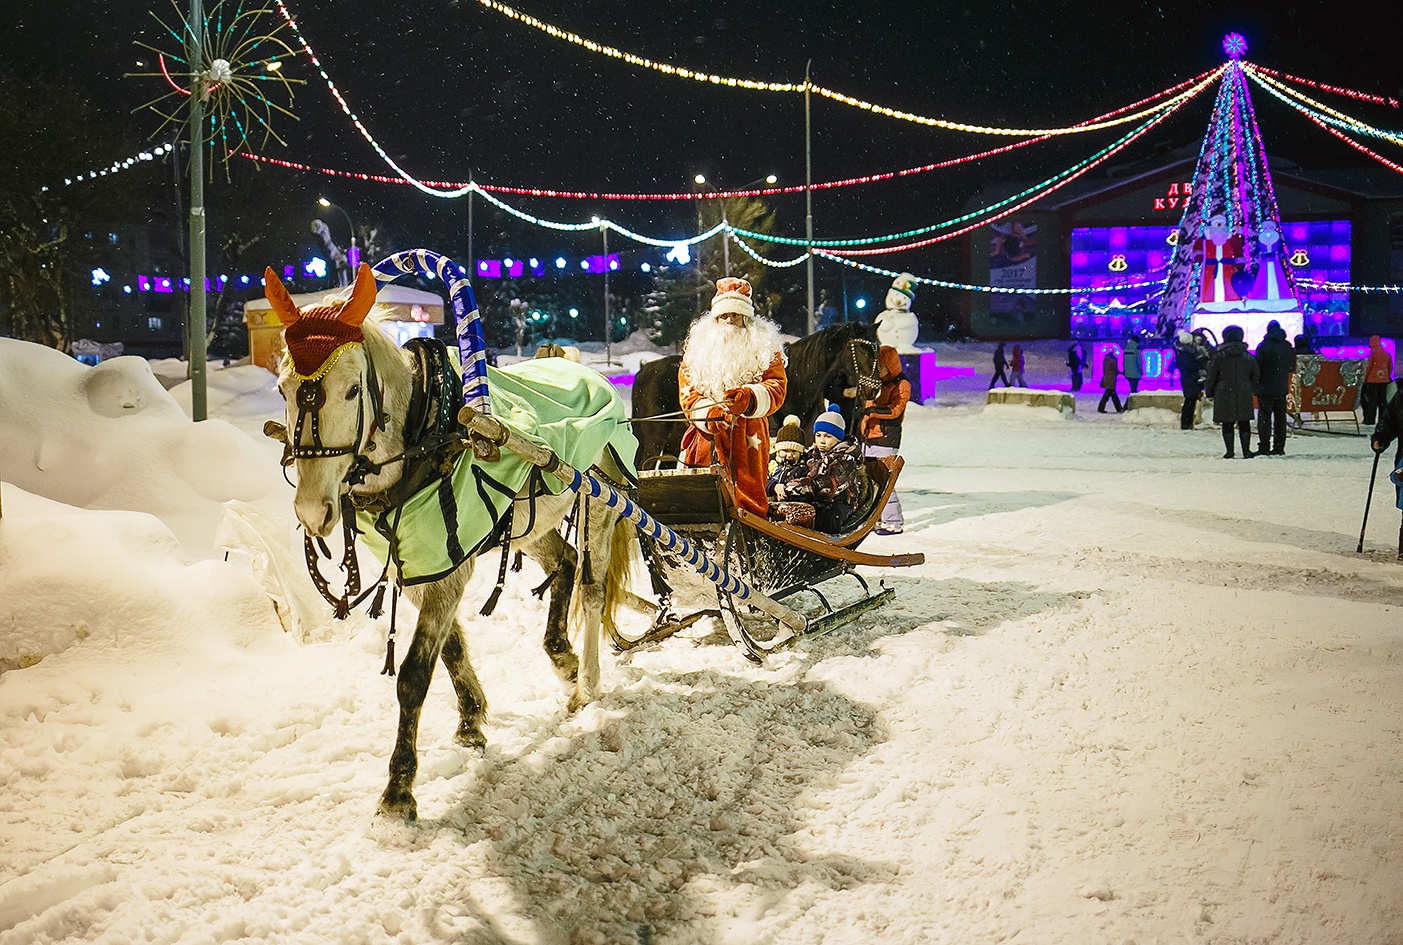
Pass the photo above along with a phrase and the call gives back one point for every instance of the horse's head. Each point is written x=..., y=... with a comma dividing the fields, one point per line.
x=860, y=359
x=333, y=395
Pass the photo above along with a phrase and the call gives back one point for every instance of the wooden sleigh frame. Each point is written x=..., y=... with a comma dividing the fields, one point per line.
x=778, y=559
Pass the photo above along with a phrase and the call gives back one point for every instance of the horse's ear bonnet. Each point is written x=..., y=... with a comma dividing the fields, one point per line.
x=313, y=335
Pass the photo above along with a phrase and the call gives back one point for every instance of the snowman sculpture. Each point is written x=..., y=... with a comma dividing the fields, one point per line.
x=897, y=326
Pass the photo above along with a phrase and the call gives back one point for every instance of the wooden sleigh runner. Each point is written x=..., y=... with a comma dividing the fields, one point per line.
x=778, y=559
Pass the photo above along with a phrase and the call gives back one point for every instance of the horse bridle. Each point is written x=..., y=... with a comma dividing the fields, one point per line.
x=311, y=397
x=866, y=382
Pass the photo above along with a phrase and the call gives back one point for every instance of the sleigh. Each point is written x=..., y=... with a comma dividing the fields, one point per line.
x=788, y=563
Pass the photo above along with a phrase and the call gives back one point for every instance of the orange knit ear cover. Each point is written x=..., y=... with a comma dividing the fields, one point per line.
x=314, y=334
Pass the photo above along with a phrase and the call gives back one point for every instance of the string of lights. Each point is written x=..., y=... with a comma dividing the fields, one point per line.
x=1015, y=207
x=1326, y=124
x=1323, y=111
x=365, y=132
x=1337, y=90
x=116, y=167
x=1348, y=287
x=760, y=85
x=1037, y=191
x=1356, y=145
x=754, y=254
x=939, y=283
x=597, y=223
x=455, y=186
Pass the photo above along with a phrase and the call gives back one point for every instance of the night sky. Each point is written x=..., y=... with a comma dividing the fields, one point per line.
x=448, y=85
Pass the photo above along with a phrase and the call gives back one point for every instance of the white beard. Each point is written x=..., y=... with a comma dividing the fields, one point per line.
x=722, y=357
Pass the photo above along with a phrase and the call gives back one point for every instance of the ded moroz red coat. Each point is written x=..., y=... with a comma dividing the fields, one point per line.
x=741, y=444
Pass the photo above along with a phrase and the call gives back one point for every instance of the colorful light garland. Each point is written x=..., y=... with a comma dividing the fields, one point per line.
x=1337, y=90
x=1036, y=192
x=760, y=85
x=450, y=189
x=984, y=215
x=1306, y=104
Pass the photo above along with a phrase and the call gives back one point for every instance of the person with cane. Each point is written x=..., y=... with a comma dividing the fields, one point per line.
x=1389, y=427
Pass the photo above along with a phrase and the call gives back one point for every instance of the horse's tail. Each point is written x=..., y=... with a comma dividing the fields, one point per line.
x=620, y=574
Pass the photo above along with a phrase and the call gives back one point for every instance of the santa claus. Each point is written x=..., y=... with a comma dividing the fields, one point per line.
x=731, y=378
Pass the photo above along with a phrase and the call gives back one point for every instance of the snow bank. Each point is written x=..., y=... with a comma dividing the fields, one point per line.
x=111, y=437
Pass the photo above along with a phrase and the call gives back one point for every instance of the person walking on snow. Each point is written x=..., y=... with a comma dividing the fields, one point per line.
x=1000, y=364
x=1133, y=369
x=1110, y=371
x=1232, y=376
x=1075, y=364
x=1378, y=371
x=1189, y=357
x=1016, y=368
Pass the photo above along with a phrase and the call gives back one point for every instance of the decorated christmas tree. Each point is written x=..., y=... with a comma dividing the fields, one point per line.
x=1230, y=264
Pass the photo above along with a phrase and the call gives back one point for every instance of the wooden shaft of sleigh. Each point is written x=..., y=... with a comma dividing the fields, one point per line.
x=495, y=434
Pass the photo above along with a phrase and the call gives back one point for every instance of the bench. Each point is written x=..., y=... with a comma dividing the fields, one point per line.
x=1029, y=397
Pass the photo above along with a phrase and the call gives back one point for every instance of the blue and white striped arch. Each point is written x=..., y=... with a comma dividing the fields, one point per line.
x=472, y=342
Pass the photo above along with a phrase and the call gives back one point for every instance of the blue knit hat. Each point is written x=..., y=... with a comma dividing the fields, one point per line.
x=831, y=422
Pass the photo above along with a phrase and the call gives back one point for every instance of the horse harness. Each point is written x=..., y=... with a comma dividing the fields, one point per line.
x=432, y=440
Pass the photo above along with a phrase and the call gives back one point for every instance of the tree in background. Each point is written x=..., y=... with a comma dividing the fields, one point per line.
x=682, y=292
x=49, y=232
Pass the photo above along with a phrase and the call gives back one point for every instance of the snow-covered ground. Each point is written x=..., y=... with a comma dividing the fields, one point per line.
x=1137, y=693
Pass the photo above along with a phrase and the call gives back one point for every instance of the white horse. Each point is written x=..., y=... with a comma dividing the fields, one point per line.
x=349, y=391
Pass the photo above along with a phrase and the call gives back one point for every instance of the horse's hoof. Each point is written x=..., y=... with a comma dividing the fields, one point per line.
x=567, y=666
x=401, y=807
x=578, y=702
x=471, y=738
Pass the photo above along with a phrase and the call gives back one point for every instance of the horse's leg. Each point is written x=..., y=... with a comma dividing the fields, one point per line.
x=472, y=701
x=438, y=605
x=553, y=554
x=610, y=560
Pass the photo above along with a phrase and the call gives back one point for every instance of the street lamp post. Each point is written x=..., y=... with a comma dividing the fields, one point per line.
x=725, y=223
x=352, y=254
x=809, y=195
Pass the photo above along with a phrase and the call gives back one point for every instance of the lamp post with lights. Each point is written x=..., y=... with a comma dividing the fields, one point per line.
x=725, y=223
x=352, y=253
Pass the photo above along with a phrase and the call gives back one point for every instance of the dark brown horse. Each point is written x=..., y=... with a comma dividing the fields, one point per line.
x=820, y=367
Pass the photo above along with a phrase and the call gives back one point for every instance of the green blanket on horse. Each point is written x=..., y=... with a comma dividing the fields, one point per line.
x=569, y=409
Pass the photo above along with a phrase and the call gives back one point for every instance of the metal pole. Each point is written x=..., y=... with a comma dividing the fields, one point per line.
x=608, y=319
x=194, y=54
x=809, y=196
x=701, y=273
x=1367, y=502
x=472, y=264
x=725, y=238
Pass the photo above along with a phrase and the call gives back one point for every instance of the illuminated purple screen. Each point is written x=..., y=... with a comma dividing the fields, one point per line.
x=1112, y=255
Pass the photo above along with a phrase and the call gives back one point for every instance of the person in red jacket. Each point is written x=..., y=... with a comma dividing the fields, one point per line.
x=1378, y=371
x=881, y=427
x=731, y=379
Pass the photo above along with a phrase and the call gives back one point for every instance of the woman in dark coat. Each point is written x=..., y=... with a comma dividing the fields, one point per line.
x=1232, y=376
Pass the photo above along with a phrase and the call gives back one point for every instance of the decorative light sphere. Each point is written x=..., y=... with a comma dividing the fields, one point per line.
x=1235, y=45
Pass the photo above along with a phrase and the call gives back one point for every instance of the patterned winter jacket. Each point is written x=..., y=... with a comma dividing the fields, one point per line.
x=835, y=482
